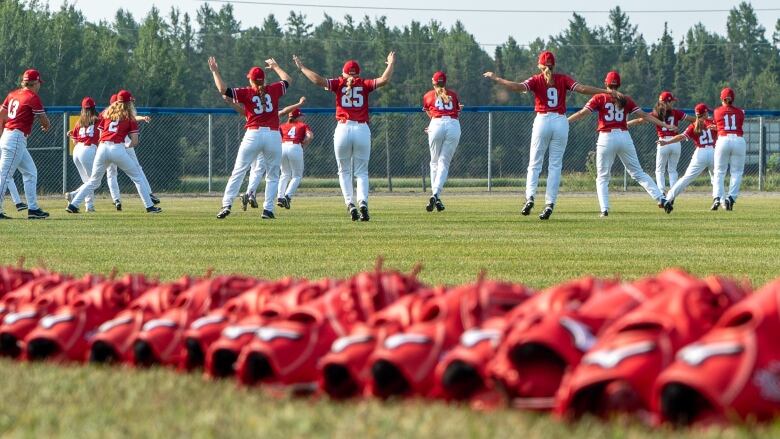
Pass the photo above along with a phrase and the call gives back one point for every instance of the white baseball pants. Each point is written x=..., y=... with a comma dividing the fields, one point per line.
x=292, y=169
x=443, y=138
x=667, y=157
x=352, y=146
x=113, y=184
x=619, y=143
x=703, y=158
x=83, y=158
x=13, y=191
x=256, y=174
x=550, y=131
x=730, y=153
x=107, y=154
x=262, y=141
x=13, y=156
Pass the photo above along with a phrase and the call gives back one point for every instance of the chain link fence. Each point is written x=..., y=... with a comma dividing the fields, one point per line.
x=191, y=151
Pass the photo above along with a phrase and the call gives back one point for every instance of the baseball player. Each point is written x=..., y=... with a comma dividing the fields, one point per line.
x=443, y=107
x=19, y=110
x=13, y=191
x=667, y=154
x=614, y=140
x=703, y=133
x=258, y=168
x=352, y=137
x=296, y=135
x=86, y=137
x=260, y=101
x=730, y=149
x=118, y=122
x=550, y=130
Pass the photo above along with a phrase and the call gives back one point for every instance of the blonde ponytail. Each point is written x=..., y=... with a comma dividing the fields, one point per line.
x=548, y=74
x=441, y=93
x=350, y=80
x=119, y=111
x=259, y=89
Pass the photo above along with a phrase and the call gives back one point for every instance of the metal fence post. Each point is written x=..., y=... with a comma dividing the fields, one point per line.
x=761, y=153
x=387, y=154
x=490, y=153
x=625, y=179
x=64, y=152
x=422, y=172
x=210, y=153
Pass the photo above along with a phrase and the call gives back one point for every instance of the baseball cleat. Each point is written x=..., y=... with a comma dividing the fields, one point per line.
x=244, y=201
x=154, y=198
x=669, y=206
x=529, y=204
x=439, y=204
x=4, y=216
x=68, y=196
x=715, y=203
x=364, y=211
x=37, y=214
x=225, y=211
x=267, y=214
x=662, y=202
x=20, y=207
x=72, y=209
x=253, y=201
x=118, y=205
x=287, y=201
x=91, y=209
x=604, y=214
x=283, y=202
x=353, y=212
x=547, y=212
x=729, y=203
x=153, y=209
x=431, y=203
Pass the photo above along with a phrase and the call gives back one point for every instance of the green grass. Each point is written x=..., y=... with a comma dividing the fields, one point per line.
x=316, y=239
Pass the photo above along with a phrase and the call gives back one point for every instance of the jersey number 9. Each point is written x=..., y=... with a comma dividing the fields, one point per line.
x=552, y=97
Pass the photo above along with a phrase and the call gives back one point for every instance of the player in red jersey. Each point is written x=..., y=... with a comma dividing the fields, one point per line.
x=86, y=137
x=551, y=129
x=667, y=154
x=260, y=101
x=19, y=110
x=614, y=140
x=118, y=122
x=443, y=107
x=730, y=149
x=703, y=133
x=296, y=135
x=352, y=137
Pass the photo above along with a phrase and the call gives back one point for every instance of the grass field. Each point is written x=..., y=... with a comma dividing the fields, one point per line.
x=316, y=239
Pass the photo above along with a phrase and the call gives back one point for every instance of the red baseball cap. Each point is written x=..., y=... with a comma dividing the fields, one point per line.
x=613, y=78
x=295, y=113
x=31, y=75
x=701, y=108
x=546, y=58
x=351, y=67
x=124, y=96
x=113, y=99
x=440, y=77
x=256, y=74
x=727, y=93
x=87, y=102
x=666, y=96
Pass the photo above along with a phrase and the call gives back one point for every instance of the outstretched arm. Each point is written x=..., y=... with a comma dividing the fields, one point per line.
x=588, y=90
x=289, y=108
x=385, y=78
x=238, y=108
x=578, y=115
x=310, y=74
x=654, y=120
x=214, y=67
x=514, y=86
x=634, y=122
x=146, y=119
x=675, y=139
x=271, y=63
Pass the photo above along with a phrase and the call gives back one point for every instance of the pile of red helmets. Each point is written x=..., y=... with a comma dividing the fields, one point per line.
x=670, y=348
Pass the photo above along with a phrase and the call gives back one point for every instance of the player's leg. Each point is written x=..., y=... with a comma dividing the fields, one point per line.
x=558, y=141
x=256, y=175
x=271, y=147
x=30, y=178
x=342, y=148
x=99, y=168
x=361, y=148
x=721, y=162
x=144, y=180
x=13, y=191
x=247, y=154
x=541, y=135
x=436, y=135
x=295, y=158
x=113, y=184
x=737, y=166
x=709, y=161
x=661, y=161
x=627, y=154
x=124, y=160
x=84, y=158
x=673, y=161
x=448, y=147
x=605, y=157
x=11, y=145
x=695, y=168
x=286, y=173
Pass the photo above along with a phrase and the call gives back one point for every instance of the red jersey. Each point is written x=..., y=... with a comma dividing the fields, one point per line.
x=436, y=107
x=729, y=120
x=260, y=111
x=550, y=99
x=22, y=106
x=115, y=131
x=707, y=137
x=352, y=103
x=294, y=132
x=673, y=117
x=87, y=135
x=610, y=116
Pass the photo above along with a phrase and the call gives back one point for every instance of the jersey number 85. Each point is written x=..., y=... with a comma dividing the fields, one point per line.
x=352, y=97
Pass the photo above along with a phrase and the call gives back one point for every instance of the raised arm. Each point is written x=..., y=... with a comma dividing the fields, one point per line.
x=310, y=74
x=388, y=73
x=286, y=110
x=271, y=63
x=514, y=86
x=578, y=115
x=675, y=139
x=654, y=120
x=214, y=67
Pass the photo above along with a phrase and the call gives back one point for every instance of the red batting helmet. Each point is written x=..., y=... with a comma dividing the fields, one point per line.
x=31, y=75
x=666, y=96
x=613, y=78
x=701, y=108
x=440, y=77
x=87, y=102
x=727, y=93
x=547, y=58
x=124, y=96
x=256, y=74
x=351, y=67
